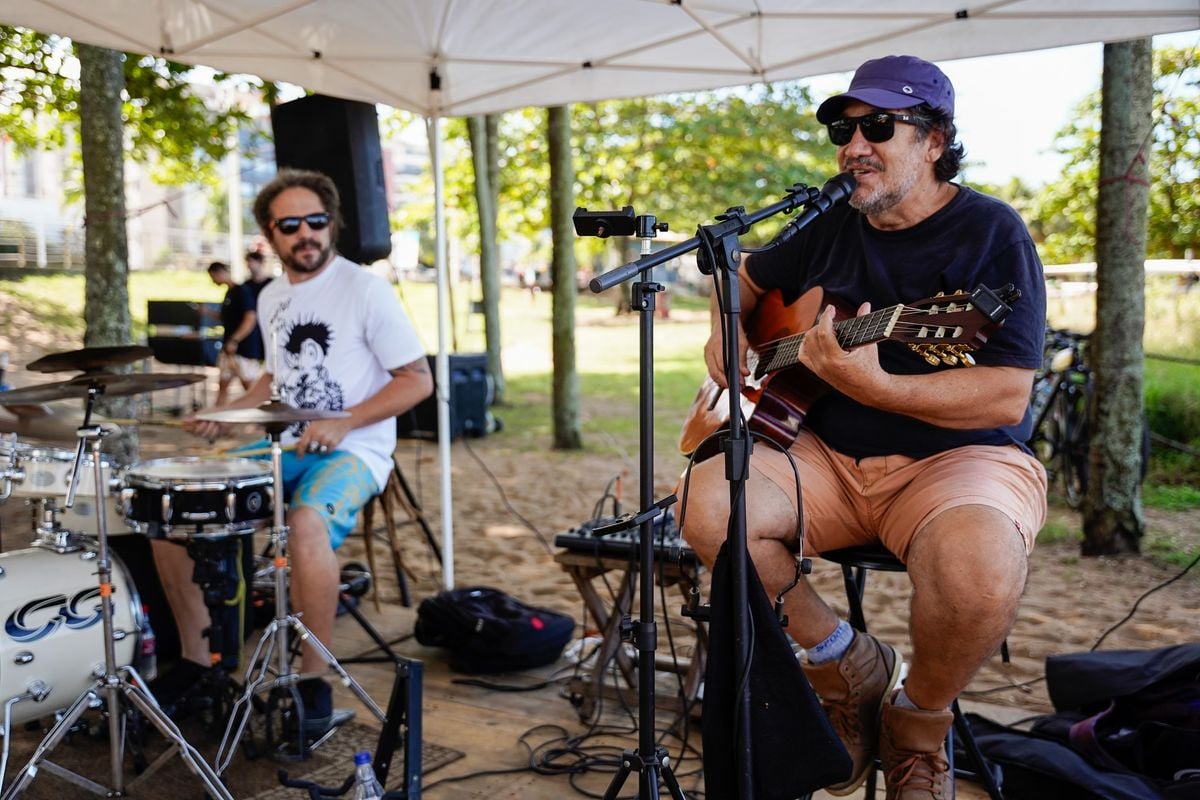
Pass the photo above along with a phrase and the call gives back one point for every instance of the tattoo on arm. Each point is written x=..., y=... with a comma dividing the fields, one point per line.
x=420, y=367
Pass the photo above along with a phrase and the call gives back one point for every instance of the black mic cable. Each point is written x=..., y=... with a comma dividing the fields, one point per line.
x=836, y=189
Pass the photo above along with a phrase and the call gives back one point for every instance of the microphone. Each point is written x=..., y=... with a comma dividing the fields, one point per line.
x=835, y=190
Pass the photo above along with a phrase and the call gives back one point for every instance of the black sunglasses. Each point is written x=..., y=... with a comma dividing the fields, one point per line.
x=289, y=225
x=878, y=126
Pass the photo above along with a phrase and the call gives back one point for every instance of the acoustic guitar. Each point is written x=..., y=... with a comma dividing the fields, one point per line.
x=780, y=390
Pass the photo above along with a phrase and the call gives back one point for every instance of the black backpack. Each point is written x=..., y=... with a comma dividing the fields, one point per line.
x=486, y=630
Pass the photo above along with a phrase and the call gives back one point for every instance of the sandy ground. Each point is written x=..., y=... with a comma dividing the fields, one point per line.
x=510, y=499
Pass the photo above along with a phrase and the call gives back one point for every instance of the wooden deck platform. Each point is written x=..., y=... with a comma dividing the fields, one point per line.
x=490, y=726
x=498, y=731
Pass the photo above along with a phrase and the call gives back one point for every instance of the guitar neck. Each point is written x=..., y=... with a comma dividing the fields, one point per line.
x=851, y=333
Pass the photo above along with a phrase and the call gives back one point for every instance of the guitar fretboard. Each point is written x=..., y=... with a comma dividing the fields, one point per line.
x=873, y=327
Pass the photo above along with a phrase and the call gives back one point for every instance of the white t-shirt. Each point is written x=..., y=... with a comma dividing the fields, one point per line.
x=334, y=337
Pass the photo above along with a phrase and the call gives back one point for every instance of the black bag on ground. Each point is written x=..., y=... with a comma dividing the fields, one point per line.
x=1127, y=726
x=486, y=630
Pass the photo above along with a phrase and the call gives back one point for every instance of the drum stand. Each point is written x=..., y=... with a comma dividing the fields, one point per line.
x=279, y=682
x=116, y=682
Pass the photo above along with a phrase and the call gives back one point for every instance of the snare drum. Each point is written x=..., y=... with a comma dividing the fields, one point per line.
x=191, y=497
x=53, y=634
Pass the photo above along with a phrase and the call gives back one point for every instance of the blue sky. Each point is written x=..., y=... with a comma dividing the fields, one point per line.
x=1044, y=86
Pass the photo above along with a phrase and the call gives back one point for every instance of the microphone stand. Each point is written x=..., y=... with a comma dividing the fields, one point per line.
x=721, y=256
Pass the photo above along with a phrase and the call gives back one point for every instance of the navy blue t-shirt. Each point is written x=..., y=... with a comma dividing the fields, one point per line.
x=238, y=300
x=973, y=240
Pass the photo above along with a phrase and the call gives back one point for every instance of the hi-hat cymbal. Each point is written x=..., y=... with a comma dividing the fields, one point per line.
x=110, y=384
x=270, y=413
x=90, y=359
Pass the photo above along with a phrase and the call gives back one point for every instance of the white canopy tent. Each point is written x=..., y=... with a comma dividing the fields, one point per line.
x=459, y=57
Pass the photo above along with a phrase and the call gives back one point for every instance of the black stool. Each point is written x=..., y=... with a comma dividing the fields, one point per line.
x=855, y=563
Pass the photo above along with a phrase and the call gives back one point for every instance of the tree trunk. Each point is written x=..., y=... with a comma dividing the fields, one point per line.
x=106, y=253
x=1112, y=511
x=562, y=271
x=483, y=151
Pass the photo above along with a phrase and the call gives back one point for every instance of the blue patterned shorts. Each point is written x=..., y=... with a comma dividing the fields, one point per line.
x=336, y=486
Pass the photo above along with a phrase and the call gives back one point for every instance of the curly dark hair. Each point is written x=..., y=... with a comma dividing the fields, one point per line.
x=316, y=182
x=950, y=162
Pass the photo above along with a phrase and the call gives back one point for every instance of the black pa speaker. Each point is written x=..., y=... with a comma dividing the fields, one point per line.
x=470, y=396
x=341, y=139
x=194, y=351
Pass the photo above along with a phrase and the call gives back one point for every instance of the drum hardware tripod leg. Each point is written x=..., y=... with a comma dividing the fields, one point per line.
x=37, y=692
x=274, y=644
x=113, y=683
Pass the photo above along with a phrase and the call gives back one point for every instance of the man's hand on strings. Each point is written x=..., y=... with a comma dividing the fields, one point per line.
x=855, y=373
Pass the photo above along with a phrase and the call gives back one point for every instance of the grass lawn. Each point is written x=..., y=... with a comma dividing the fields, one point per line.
x=606, y=352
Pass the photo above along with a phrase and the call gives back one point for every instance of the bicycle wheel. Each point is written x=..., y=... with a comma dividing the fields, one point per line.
x=1046, y=436
x=1073, y=450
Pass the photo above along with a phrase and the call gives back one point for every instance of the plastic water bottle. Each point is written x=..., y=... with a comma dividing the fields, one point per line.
x=366, y=785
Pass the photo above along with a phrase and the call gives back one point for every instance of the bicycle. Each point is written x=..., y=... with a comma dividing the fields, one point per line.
x=1061, y=393
x=1059, y=400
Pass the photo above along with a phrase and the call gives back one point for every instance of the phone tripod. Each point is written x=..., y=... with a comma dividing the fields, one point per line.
x=116, y=684
x=650, y=760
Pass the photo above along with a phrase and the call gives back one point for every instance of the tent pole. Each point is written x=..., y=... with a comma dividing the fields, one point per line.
x=442, y=364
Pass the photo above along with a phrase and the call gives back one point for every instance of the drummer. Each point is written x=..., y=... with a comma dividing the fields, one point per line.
x=337, y=339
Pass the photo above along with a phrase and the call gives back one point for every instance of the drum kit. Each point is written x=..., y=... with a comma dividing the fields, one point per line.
x=81, y=641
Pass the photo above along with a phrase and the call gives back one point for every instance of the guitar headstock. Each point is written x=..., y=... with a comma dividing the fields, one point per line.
x=944, y=329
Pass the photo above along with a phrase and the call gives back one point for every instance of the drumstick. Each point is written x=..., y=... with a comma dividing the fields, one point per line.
x=170, y=423
x=255, y=451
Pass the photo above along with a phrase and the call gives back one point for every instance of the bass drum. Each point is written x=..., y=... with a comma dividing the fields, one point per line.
x=53, y=638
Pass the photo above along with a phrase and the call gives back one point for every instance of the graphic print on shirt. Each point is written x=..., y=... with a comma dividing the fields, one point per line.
x=306, y=381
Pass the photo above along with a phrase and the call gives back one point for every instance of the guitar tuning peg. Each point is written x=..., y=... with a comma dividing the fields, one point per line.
x=967, y=359
x=947, y=355
x=925, y=351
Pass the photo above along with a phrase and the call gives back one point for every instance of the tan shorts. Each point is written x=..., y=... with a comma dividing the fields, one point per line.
x=888, y=499
x=247, y=369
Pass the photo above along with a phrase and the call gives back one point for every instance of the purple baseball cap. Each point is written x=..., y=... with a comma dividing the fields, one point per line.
x=893, y=82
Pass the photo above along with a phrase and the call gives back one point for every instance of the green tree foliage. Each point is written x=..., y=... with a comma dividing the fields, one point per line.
x=1064, y=215
x=683, y=158
x=168, y=123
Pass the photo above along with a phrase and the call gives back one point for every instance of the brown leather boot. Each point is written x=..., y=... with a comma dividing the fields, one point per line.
x=852, y=691
x=912, y=748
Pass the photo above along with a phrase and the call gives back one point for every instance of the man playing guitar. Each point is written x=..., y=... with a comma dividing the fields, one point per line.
x=925, y=460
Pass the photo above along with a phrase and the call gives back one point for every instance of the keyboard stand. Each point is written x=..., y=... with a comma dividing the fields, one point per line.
x=586, y=689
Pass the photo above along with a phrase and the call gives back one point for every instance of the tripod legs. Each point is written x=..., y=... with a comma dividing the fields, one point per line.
x=273, y=645
x=115, y=687
x=649, y=768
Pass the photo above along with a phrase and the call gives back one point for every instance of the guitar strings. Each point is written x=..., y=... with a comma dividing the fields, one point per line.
x=875, y=316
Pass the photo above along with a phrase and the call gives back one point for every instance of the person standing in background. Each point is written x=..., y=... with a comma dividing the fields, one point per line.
x=242, y=348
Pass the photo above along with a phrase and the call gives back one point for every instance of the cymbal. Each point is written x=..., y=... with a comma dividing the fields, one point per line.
x=270, y=413
x=112, y=385
x=90, y=359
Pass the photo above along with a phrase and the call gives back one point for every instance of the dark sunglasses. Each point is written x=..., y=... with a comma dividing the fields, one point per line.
x=289, y=225
x=876, y=127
